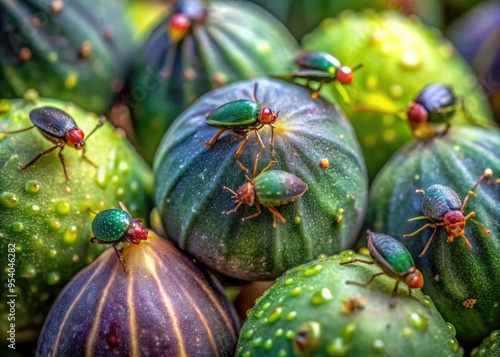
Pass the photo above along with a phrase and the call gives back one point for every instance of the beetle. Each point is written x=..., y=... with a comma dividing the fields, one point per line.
x=269, y=188
x=114, y=226
x=394, y=259
x=241, y=116
x=442, y=207
x=60, y=128
x=322, y=67
x=436, y=103
x=186, y=14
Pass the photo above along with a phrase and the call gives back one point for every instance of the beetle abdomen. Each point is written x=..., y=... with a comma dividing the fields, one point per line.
x=52, y=122
x=389, y=253
x=111, y=225
x=438, y=200
x=439, y=101
x=277, y=187
x=237, y=114
x=322, y=61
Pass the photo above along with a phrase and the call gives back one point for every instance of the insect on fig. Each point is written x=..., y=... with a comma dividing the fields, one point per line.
x=186, y=14
x=269, y=188
x=395, y=261
x=443, y=208
x=240, y=116
x=321, y=67
x=115, y=226
x=60, y=128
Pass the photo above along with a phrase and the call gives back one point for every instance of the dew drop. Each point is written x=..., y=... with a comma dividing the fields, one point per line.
x=493, y=336
x=71, y=81
x=407, y=333
x=308, y=338
x=32, y=187
x=396, y=91
x=268, y=344
x=410, y=61
x=371, y=82
x=54, y=224
x=4, y=106
x=288, y=281
x=275, y=315
x=247, y=354
x=348, y=332
x=70, y=235
x=250, y=312
x=28, y=271
x=312, y=270
x=279, y=332
x=52, y=278
x=452, y=328
x=289, y=334
x=259, y=299
x=52, y=253
x=31, y=96
x=291, y=315
x=337, y=347
x=259, y=314
x=101, y=179
x=52, y=57
x=266, y=306
x=378, y=346
x=297, y=220
x=257, y=342
x=249, y=334
x=123, y=167
x=419, y=321
x=115, y=180
x=321, y=297
x=63, y=208
x=134, y=188
x=120, y=192
x=17, y=227
x=453, y=344
x=238, y=352
x=9, y=199
x=31, y=209
x=427, y=301
x=282, y=353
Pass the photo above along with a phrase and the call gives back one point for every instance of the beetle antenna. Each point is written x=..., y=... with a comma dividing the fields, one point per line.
x=255, y=87
x=102, y=120
x=123, y=207
x=355, y=68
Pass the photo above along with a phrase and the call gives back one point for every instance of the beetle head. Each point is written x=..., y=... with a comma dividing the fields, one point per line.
x=345, y=75
x=454, y=222
x=415, y=279
x=268, y=116
x=74, y=138
x=135, y=232
x=417, y=114
x=246, y=193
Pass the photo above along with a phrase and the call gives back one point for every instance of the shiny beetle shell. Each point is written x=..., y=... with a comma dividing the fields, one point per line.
x=110, y=225
x=277, y=187
x=439, y=101
x=439, y=200
x=389, y=254
x=237, y=114
x=317, y=60
x=52, y=122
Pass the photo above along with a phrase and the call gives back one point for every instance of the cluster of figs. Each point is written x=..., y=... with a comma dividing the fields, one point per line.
x=280, y=143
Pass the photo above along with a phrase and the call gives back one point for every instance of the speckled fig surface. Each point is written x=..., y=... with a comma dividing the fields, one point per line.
x=46, y=217
x=164, y=306
x=311, y=311
x=190, y=180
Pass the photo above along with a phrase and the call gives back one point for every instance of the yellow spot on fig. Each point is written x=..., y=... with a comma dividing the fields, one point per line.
x=71, y=81
x=85, y=49
x=324, y=163
x=410, y=61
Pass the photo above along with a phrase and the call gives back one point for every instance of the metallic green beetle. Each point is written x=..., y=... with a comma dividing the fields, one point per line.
x=322, y=67
x=269, y=188
x=240, y=116
x=113, y=226
x=394, y=259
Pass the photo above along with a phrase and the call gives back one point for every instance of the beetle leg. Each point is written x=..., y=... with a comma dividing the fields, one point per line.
x=395, y=293
x=259, y=211
x=485, y=231
x=87, y=159
x=351, y=282
x=239, y=151
x=342, y=91
x=61, y=158
x=472, y=191
x=275, y=213
x=17, y=131
x=315, y=94
x=234, y=209
x=429, y=241
x=119, y=255
x=467, y=243
x=358, y=260
x=214, y=139
x=43, y=153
